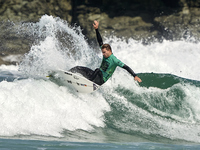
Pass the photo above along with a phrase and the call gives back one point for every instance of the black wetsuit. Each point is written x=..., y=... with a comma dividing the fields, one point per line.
x=94, y=76
x=107, y=68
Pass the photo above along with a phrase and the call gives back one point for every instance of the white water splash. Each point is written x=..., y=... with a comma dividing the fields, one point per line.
x=180, y=58
x=41, y=107
x=61, y=47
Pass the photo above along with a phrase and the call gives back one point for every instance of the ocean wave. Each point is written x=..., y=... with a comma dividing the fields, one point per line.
x=163, y=107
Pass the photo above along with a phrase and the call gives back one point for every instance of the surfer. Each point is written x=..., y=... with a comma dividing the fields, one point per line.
x=108, y=65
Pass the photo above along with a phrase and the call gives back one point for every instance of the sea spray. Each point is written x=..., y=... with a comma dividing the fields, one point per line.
x=152, y=111
x=175, y=57
x=163, y=108
x=39, y=107
x=60, y=46
x=49, y=109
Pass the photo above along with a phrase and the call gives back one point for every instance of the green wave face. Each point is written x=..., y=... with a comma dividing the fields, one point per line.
x=165, y=106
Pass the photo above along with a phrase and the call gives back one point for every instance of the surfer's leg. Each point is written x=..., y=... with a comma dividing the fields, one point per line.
x=97, y=77
x=86, y=72
x=93, y=76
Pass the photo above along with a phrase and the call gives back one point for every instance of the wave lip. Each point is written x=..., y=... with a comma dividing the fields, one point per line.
x=39, y=107
x=163, y=108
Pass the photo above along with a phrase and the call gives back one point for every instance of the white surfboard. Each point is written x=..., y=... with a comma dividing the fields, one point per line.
x=78, y=82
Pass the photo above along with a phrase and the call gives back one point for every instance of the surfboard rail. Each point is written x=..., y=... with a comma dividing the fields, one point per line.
x=78, y=82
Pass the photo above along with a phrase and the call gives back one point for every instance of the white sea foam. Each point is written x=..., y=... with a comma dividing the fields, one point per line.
x=180, y=58
x=12, y=58
x=9, y=68
x=40, y=107
x=182, y=123
x=61, y=47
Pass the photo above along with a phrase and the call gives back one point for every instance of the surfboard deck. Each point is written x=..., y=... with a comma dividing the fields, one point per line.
x=78, y=82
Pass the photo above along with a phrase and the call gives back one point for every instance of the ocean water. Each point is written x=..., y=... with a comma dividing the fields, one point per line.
x=162, y=112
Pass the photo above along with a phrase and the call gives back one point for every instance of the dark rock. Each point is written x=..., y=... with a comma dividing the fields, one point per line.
x=138, y=19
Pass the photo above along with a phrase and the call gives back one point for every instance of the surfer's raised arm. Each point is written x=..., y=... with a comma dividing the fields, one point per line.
x=108, y=56
x=99, y=39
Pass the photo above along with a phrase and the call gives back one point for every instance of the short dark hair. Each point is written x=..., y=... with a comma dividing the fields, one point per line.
x=106, y=46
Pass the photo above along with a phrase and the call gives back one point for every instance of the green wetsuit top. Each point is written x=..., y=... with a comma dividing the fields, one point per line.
x=109, y=65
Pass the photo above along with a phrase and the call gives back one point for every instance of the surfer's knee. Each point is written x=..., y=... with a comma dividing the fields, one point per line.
x=75, y=69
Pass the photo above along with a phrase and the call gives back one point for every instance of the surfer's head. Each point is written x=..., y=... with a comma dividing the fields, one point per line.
x=106, y=50
x=106, y=46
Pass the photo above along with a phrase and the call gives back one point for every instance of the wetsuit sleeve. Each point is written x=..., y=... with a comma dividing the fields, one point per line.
x=129, y=70
x=99, y=39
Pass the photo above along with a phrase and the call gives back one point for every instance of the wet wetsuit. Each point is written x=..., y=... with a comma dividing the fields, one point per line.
x=107, y=68
x=94, y=76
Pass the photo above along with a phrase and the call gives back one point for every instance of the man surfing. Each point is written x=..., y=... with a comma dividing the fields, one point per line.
x=108, y=65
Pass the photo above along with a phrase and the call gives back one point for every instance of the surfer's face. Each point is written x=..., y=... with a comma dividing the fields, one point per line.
x=106, y=53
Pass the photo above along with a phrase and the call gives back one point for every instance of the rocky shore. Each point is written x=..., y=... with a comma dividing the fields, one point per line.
x=138, y=19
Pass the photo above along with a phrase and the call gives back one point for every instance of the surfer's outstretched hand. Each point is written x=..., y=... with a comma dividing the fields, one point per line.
x=137, y=79
x=96, y=24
